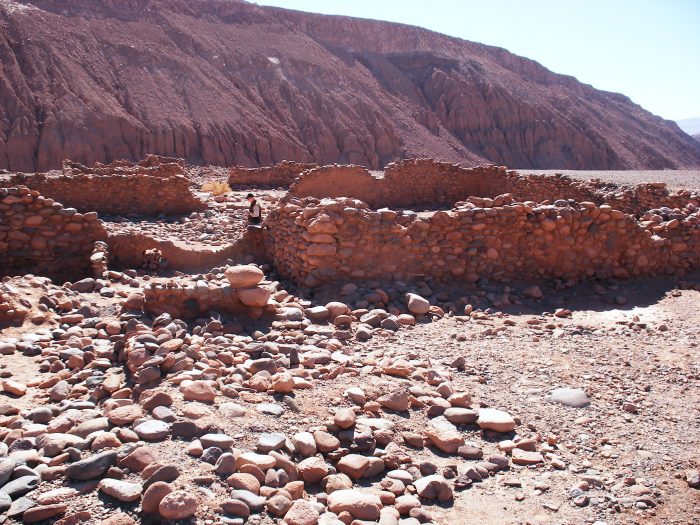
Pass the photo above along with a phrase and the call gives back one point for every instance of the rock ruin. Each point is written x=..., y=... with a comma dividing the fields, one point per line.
x=292, y=387
x=344, y=223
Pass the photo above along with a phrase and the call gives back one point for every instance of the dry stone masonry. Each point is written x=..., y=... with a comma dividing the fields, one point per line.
x=280, y=175
x=429, y=184
x=241, y=295
x=38, y=235
x=542, y=227
x=151, y=394
x=120, y=189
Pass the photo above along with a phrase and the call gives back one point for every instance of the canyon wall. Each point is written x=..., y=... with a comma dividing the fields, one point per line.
x=232, y=83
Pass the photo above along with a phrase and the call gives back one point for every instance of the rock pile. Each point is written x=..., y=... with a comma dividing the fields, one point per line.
x=116, y=388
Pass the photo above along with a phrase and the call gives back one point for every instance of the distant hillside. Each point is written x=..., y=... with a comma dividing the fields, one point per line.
x=228, y=82
x=690, y=125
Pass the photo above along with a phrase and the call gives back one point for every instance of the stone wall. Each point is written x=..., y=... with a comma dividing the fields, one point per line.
x=314, y=241
x=126, y=251
x=429, y=184
x=187, y=300
x=114, y=194
x=152, y=165
x=280, y=175
x=38, y=235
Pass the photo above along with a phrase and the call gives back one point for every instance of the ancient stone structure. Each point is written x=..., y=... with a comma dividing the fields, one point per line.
x=38, y=235
x=429, y=184
x=128, y=250
x=184, y=299
x=280, y=175
x=150, y=187
x=99, y=259
x=152, y=165
x=494, y=227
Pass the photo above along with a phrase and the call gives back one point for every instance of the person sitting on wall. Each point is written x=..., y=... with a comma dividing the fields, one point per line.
x=255, y=211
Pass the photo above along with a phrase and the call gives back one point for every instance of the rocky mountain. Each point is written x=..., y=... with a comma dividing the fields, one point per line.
x=227, y=82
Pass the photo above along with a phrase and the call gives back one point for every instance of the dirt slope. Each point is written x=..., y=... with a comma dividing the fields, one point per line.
x=226, y=82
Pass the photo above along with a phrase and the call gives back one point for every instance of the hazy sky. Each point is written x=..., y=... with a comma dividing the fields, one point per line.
x=647, y=49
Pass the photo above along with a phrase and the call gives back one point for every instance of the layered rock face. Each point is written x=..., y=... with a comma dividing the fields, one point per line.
x=226, y=82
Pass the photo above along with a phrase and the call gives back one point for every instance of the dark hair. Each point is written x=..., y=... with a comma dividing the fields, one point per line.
x=249, y=196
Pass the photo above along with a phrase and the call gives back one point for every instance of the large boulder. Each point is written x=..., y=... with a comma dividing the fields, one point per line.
x=254, y=296
x=244, y=276
x=360, y=505
x=417, y=305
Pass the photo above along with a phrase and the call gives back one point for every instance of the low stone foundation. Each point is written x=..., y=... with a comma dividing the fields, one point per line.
x=187, y=300
x=127, y=251
x=152, y=165
x=40, y=236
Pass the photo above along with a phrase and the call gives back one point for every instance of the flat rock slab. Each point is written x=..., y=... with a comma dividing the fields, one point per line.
x=270, y=408
x=359, y=504
x=497, y=420
x=271, y=441
x=572, y=397
x=524, y=457
x=152, y=430
x=91, y=467
x=216, y=440
x=121, y=490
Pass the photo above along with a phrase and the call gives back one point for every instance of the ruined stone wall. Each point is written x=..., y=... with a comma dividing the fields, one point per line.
x=643, y=197
x=152, y=165
x=38, y=235
x=188, y=300
x=126, y=251
x=429, y=184
x=426, y=183
x=337, y=239
x=280, y=175
x=114, y=194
